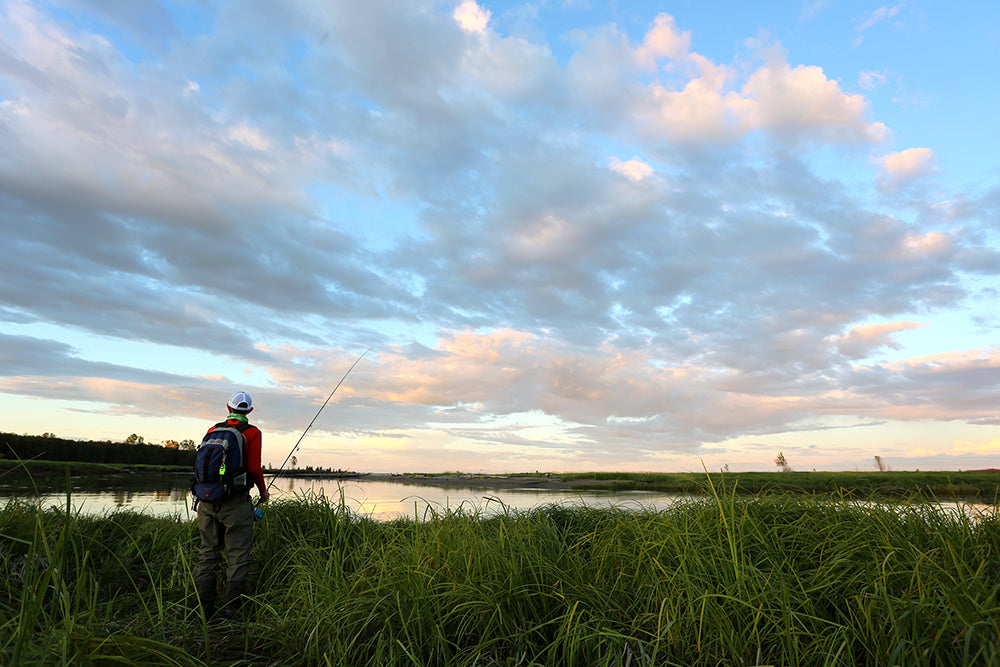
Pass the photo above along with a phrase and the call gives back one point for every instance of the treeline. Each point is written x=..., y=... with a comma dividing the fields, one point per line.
x=47, y=447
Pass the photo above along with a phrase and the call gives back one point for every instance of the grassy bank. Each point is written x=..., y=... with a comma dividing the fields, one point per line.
x=983, y=485
x=725, y=580
x=13, y=469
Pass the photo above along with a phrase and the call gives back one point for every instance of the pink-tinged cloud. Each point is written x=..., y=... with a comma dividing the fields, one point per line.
x=803, y=102
x=951, y=362
x=701, y=111
x=983, y=447
x=905, y=166
x=797, y=103
x=634, y=170
x=664, y=40
x=863, y=339
x=931, y=243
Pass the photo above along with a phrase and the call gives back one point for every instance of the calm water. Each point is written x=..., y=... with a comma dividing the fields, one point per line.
x=383, y=501
x=169, y=495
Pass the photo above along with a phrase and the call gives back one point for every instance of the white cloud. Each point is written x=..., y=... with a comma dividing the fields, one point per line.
x=252, y=137
x=471, y=17
x=870, y=80
x=877, y=16
x=873, y=18
x=634, y=170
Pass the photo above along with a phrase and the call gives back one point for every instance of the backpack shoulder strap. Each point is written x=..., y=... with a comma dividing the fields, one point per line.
x=239, y=427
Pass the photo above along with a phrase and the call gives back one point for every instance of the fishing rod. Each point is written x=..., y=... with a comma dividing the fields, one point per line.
x=316, y=416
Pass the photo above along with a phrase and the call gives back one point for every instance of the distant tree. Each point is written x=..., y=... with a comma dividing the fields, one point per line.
x=187, y=444
x=135, y=440
x=48, y=435
x=782, y=462
x=43, y=448
x=295, y=461
x=170, y=444
x=879, y=464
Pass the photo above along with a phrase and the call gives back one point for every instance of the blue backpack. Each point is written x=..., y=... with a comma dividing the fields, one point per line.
x=219, y=469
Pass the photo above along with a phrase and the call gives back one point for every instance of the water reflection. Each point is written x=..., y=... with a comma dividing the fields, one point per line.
x=169, y=495
x=382, y=501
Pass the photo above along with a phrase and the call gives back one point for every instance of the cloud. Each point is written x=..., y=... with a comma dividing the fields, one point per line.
x=147, y=20
x=906, y=166
x=691, y=99
x=810, y=8
x=980, y=453
x=250, y=137
x=634, y=170
x=876, y=16
x=864, y=339
x=471, y=17
x=663, y=40
x=983, y=447
x=48, y=369
x=802, y=101
x=869, y=20
x=273, y=192
x=870, y=80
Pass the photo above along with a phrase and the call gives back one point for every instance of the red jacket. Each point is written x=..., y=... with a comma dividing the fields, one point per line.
x=251, y=453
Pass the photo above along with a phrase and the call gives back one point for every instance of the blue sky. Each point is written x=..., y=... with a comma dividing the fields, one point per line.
x=574, y=235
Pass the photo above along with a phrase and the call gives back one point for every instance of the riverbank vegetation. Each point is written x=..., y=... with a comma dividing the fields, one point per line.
x=723, y=579
x=979, y=485
x=34, y=455
x=983, y=485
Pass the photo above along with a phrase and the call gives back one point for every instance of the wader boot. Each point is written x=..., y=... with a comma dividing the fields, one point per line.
x=231, y=602
x=227, y=526
x=205, y=589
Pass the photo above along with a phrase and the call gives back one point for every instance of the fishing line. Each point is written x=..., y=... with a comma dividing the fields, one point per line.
x=316, y=416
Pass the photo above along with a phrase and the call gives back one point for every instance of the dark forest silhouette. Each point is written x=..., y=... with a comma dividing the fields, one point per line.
x=134, y=451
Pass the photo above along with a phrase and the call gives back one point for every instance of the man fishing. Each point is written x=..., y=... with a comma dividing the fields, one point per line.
x=225, y=512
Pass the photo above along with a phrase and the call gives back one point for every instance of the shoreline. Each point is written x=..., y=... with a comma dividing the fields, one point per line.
x=541, y=481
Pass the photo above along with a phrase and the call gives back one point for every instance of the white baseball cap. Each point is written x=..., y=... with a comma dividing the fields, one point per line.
x=240, y=401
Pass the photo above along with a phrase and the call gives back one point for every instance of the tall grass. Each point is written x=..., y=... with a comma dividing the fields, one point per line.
x=723, y=580
x=983, y=485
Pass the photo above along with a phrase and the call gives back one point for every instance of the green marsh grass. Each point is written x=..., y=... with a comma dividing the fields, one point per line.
x=723, y=579
x=983, y=485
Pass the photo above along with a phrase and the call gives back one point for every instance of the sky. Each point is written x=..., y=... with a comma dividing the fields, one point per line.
x=566, y=235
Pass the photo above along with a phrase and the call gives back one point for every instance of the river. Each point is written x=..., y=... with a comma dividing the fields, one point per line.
x=169, y=495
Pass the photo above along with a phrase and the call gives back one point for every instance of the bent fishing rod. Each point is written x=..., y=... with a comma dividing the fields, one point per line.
x=316, y=416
